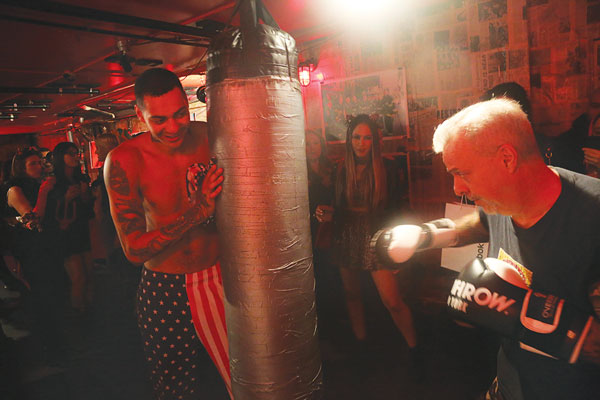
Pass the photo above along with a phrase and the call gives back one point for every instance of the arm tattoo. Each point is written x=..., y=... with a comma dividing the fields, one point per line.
x=166, y=235
x=118, y=179
x=129, y=216
x=127, y=211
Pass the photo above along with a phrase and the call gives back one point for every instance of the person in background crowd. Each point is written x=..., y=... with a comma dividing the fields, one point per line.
x=106, y=229
x=69, y=218
x=578, y=149
x=321, y=174
x=320, y=177
x=35, y=248
x=8, y=375
x=361, y=198
x=47, y=162
x=8, y=264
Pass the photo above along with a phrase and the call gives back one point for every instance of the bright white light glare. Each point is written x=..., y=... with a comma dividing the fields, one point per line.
x=304, y=76
x=366, y=11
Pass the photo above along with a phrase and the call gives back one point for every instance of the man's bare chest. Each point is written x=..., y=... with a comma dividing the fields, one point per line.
x=163, y=183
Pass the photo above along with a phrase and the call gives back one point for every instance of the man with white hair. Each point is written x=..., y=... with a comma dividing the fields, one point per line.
x=543, y=225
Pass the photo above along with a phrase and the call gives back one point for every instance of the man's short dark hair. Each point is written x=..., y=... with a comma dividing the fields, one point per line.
x=155, y=82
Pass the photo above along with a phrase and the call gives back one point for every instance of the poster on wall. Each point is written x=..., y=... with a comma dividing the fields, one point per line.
x=596, y=66
x=381, y=95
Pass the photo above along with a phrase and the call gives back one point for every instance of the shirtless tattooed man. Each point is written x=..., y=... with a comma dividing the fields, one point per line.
x=169, y=229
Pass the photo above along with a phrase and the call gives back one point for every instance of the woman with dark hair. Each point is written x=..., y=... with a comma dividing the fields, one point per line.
x=27, y=194
x=363, y=196
x=320, y=177
x=33, y=246
x=71, y=212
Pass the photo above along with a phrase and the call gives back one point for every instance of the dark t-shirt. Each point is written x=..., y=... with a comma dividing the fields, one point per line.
x=559, y=255
x=28, y=186
x=74, y=236
x=11, y=237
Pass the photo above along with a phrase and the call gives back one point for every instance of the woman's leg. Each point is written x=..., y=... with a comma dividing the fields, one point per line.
x=88, y=266
x=75, y=270
x=356, y=309
x=387, y=286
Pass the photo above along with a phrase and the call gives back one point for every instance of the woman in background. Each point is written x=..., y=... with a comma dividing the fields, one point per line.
x=320, y=177
x=362, y=198
x=109, y=243
x=321, y=174
x=70, y=215
x=34, y=247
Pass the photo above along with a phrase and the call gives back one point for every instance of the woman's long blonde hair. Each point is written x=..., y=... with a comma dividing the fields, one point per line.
x=347, y=180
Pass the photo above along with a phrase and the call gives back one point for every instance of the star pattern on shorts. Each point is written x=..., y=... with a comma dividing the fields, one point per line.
x=170, y=343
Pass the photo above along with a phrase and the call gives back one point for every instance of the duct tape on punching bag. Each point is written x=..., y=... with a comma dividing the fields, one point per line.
x=256, y=129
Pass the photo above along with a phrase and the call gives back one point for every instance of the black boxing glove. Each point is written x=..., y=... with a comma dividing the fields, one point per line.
x=398, y=244
x=491, y=293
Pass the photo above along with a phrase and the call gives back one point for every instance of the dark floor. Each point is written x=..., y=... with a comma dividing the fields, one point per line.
x=104, y=357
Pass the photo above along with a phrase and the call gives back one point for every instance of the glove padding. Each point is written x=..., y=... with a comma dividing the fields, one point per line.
x=491, y=293
x=398, y=244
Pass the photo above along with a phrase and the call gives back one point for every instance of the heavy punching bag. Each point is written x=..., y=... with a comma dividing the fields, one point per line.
x=256, y=126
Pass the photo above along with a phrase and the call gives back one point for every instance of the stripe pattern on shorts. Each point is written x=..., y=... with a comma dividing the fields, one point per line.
x=205, y=297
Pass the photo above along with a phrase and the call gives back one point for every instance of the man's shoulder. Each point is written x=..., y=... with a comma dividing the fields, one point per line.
x=580, y=184
x=129, y=150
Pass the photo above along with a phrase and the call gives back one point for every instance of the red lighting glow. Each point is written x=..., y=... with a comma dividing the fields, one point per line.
x=94, y=162
x=116, y=76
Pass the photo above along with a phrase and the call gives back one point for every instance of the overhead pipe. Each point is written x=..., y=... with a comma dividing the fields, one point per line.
x=17, y=106
x=105, y=16
x=47, y=90
x=208, y=13
x=256, y=131
x=101, y=112
x=101, y=31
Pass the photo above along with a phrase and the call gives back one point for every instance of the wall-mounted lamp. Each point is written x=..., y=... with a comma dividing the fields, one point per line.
x=305, y=70
x=304, y=75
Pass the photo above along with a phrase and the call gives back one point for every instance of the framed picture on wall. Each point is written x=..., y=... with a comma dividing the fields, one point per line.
x=381, y=95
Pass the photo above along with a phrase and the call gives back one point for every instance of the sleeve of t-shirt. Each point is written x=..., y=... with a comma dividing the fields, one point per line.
x=483, y=217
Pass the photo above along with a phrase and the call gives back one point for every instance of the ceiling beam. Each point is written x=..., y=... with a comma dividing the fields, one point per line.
x=47, y=90
x=53, y=7
x=102, y=31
